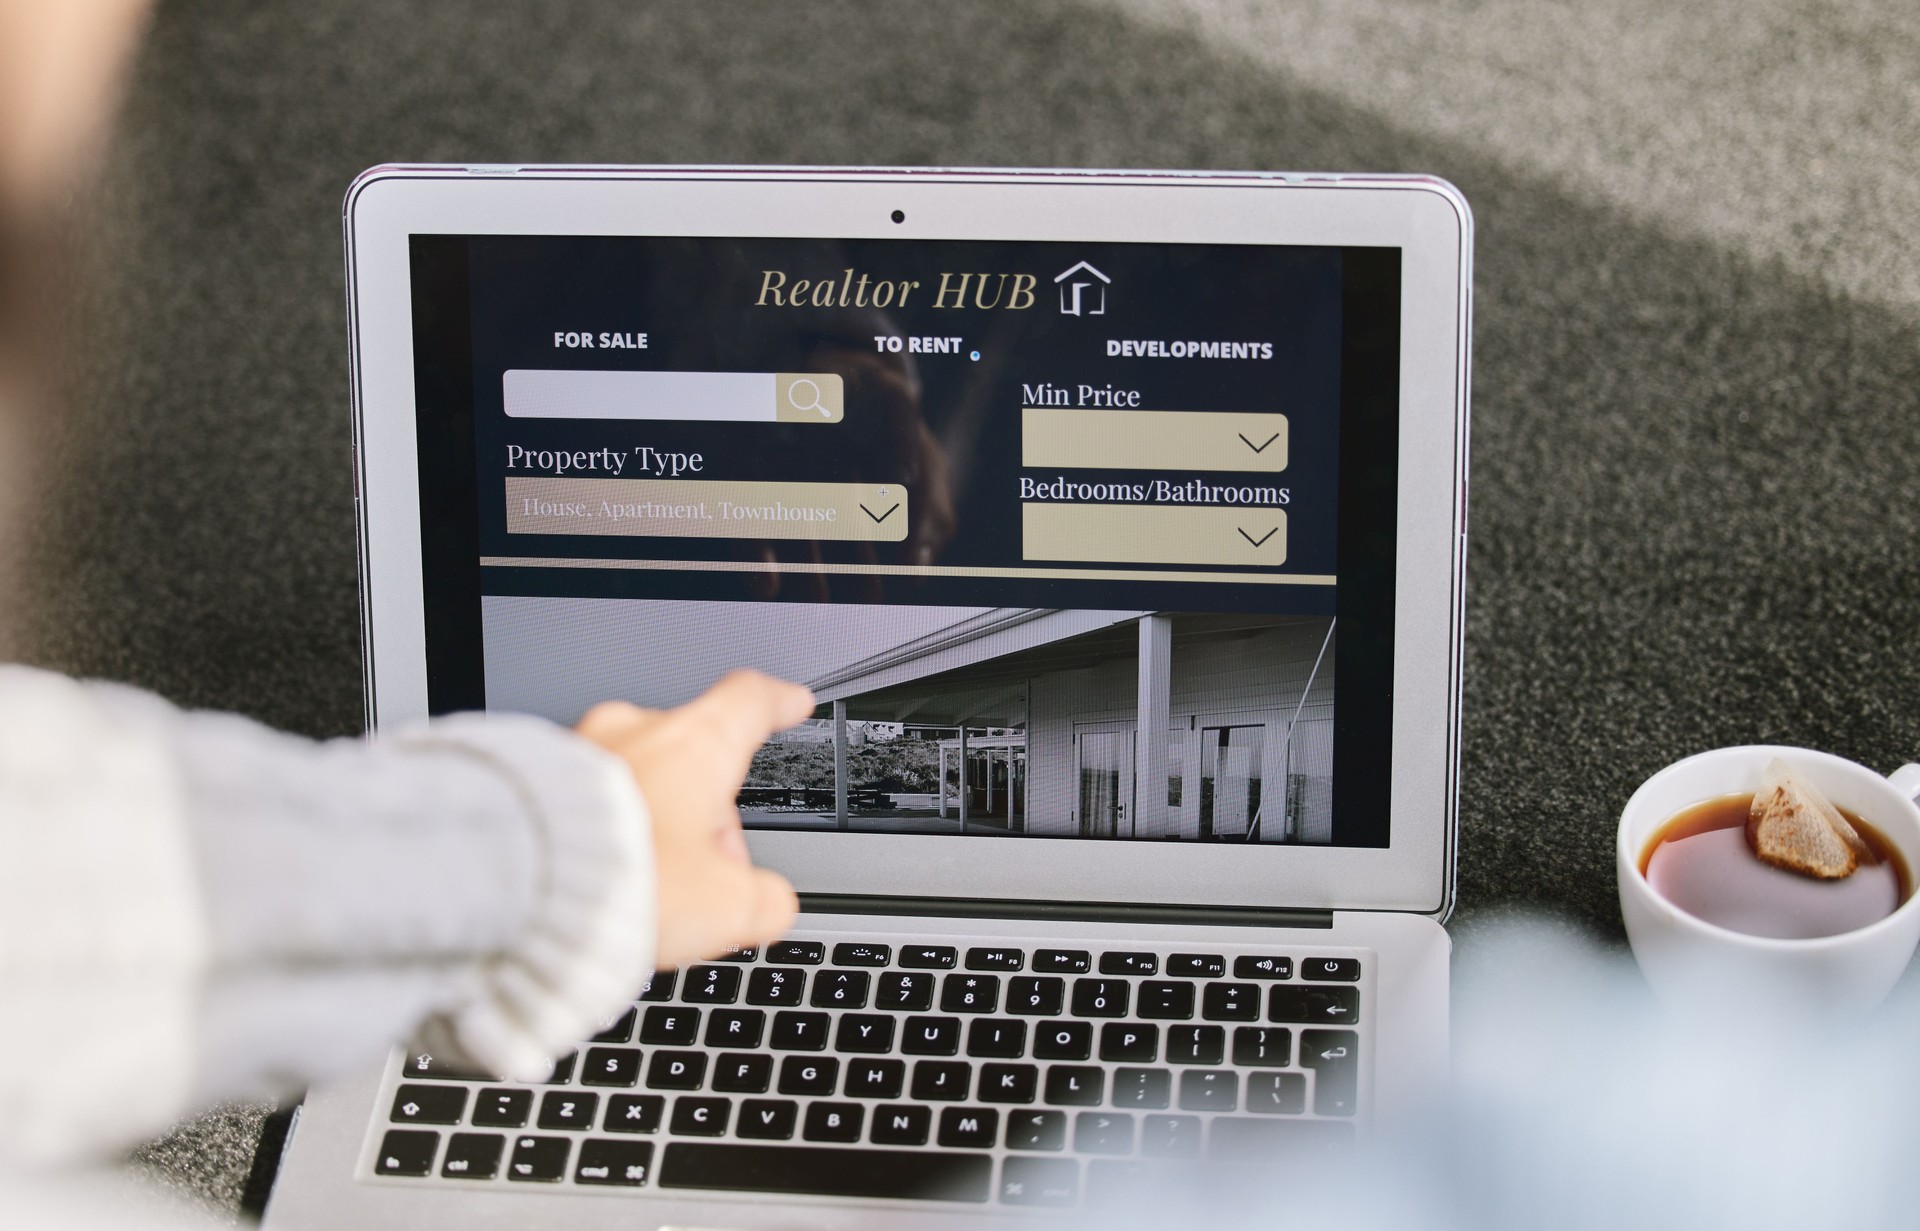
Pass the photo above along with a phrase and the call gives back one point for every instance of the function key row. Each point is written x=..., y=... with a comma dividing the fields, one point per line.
x=1005, y=959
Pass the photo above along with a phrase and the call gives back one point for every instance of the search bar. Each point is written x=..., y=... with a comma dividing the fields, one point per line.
x=713, y=397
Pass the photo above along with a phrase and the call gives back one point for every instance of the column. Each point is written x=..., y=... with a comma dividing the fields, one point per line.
x=963, y=777
x=840, y=764
x=1155, y=715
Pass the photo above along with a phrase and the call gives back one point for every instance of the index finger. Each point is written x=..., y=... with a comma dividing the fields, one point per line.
x=747, y=707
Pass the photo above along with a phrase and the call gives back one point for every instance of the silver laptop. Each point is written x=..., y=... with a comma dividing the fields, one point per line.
x=1117, y=521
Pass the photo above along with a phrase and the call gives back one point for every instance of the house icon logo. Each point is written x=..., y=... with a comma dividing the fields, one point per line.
x=1074, y=285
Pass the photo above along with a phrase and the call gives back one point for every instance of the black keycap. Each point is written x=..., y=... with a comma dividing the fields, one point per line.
x=429, y=1104
x=407, y=1152
x=711, y=985
x=677, y=1070
x=996, y=958
x=1036, y=1130
x=1103, y=1132
x=767, y=1119
x=1008, y=1083
x=1062, y=961
x=1197, y=965
x=1331, y=969
x=970, y=994
x=627, y=1163
x=824, y=1171
x=775, y=986
x=901, y=1124
x=1314, y=1006
x=797, y=953
x=931, y=1036
x=1170, y=1136
x=1145, y=1088
x=864, y=1032
x=473, y=1156
x=539, y=1159
x=1263, y=966
x=1262, y=1046
x=840, y=989
x=737, y=954
x=875, y=1078
x=502, y=1108
x=862, y=955
x=658, y=987
x=1235, y=1139
x=1074, y=1085
x=1039, y=1181
x=610, y=1066
x=1276, y=1094
x=942, y=1081
x=834, y=1121
x=799, y=1031
x=670, y=1026
x=1130, y=1041
x=562, y=1071
x=974, y=1128
x=634, y=1113
x=742, y=1072
x=1129, y=964
x=1040, y=997
x=1100, y=997
x=1209, y=1090
x=735, y=1027
x=1063, y=1040
x=699, y=1116
x=1230, y=1002
x=1166, y=1001
x=568, y=1109
x=424, y=1064
x=998, y=1037
x=816, y=1075
x=904, y=992
x=1334, y=1057
x=1196, y=1044
x=618, y=1030
x=928, y=957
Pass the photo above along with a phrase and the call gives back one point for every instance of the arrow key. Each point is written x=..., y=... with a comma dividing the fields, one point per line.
x=428, y=1104
x=1334, y=1056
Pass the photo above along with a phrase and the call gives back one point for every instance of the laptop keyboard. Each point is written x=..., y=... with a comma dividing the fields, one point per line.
x=1021, y=1074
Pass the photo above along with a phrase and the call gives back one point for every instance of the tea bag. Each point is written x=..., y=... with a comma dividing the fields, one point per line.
x=1792, y=826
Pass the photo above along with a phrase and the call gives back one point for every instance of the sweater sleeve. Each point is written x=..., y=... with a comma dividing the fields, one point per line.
x=194, y=907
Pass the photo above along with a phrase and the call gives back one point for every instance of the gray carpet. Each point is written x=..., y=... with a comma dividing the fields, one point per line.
x=1697, y=346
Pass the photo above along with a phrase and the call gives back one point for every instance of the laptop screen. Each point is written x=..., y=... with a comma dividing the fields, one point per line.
x=1070, y=540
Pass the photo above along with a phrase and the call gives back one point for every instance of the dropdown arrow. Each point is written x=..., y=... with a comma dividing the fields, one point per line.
x=1263, y=538
x=879, y=517
x=1258, y=448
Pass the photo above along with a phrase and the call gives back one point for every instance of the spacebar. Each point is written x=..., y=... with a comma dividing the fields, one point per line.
x=927, y=1176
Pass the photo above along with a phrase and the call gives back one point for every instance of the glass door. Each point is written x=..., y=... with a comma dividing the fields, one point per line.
x=1103, y=763
x=1230, y=780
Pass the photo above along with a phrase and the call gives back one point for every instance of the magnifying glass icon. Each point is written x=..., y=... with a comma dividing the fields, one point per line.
x=808, y=397
x=803, y=395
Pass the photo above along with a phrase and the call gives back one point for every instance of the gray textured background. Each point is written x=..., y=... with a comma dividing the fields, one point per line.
x=1697, y=347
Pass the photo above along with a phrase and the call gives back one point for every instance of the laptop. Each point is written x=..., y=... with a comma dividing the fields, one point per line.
x=1117, y=521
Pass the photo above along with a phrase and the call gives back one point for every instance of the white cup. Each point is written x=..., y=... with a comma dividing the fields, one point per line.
x=1697, y=966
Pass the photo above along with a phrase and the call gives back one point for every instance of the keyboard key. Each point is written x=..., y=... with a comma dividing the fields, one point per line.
x=503, y=1108
x=737, y=954
x=1314, y=1006
x=1063, y=1041
x=567, y=1109
x=1262, y=1046
x=840, y=989
x=407, y=1152
x=875, y=1078
x=1130, y=1041
x=771, y=985
x=424, y=1064
x=973, y=1128
x=997, y=1037
x=431, y=1104
x=1062, y=961
x=1071, y=1085
x=735, y=1027
x=1041, y=997
x=767, y=1119
x=539, y=1159
x=670, y=1026
x=931, y=1036
x=901, y=1124
x=1103, y=1132
x=864, y=1032
x=658, y=987
x=1234, y=1139
x=1036, y=1130
x=1209, y=1090
x=677, y=1070
x=699, y=1116
x=1008, y=1083
x=626, y=1163
x=1170, y=1136
x=823, y=1171
x=1166, y=1001
x=1129, y=964
x=711, y=985
x=610, y=1066
x=562, y=1071
x=970, y=994
x=816, y=1075
x=1122, y=1184
x=862, y=955
x=834, y=1121
x=996, y=959
x=1197, y=965
x=1100, y=997
x=1145, y=1088
x=742, y=1072
x=797, y=953
x=799, y=1031
x=1039, y=1181
x=1230, y=1002
x=1331, y=969
x=1196, y=1044
x=910, y=993
x=1334, y=1057
x=941, y=1081
x=619, y=1029
x=1276, y=1094
x=928, y=957
x=1262, y=966
x=634, y=1113
x=473, y=1156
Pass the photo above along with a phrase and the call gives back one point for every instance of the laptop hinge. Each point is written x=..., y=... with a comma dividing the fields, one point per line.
x=1076, y=912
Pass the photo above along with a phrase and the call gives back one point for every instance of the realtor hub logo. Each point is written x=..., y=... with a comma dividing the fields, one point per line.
x=1075, y=284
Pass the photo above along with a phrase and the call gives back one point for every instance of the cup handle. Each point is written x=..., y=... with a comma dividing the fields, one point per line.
x=1906, y=780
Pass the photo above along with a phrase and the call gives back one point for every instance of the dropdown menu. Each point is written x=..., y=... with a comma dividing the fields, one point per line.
x=708, y=509
x=1154, y=534
x=1153, y=439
